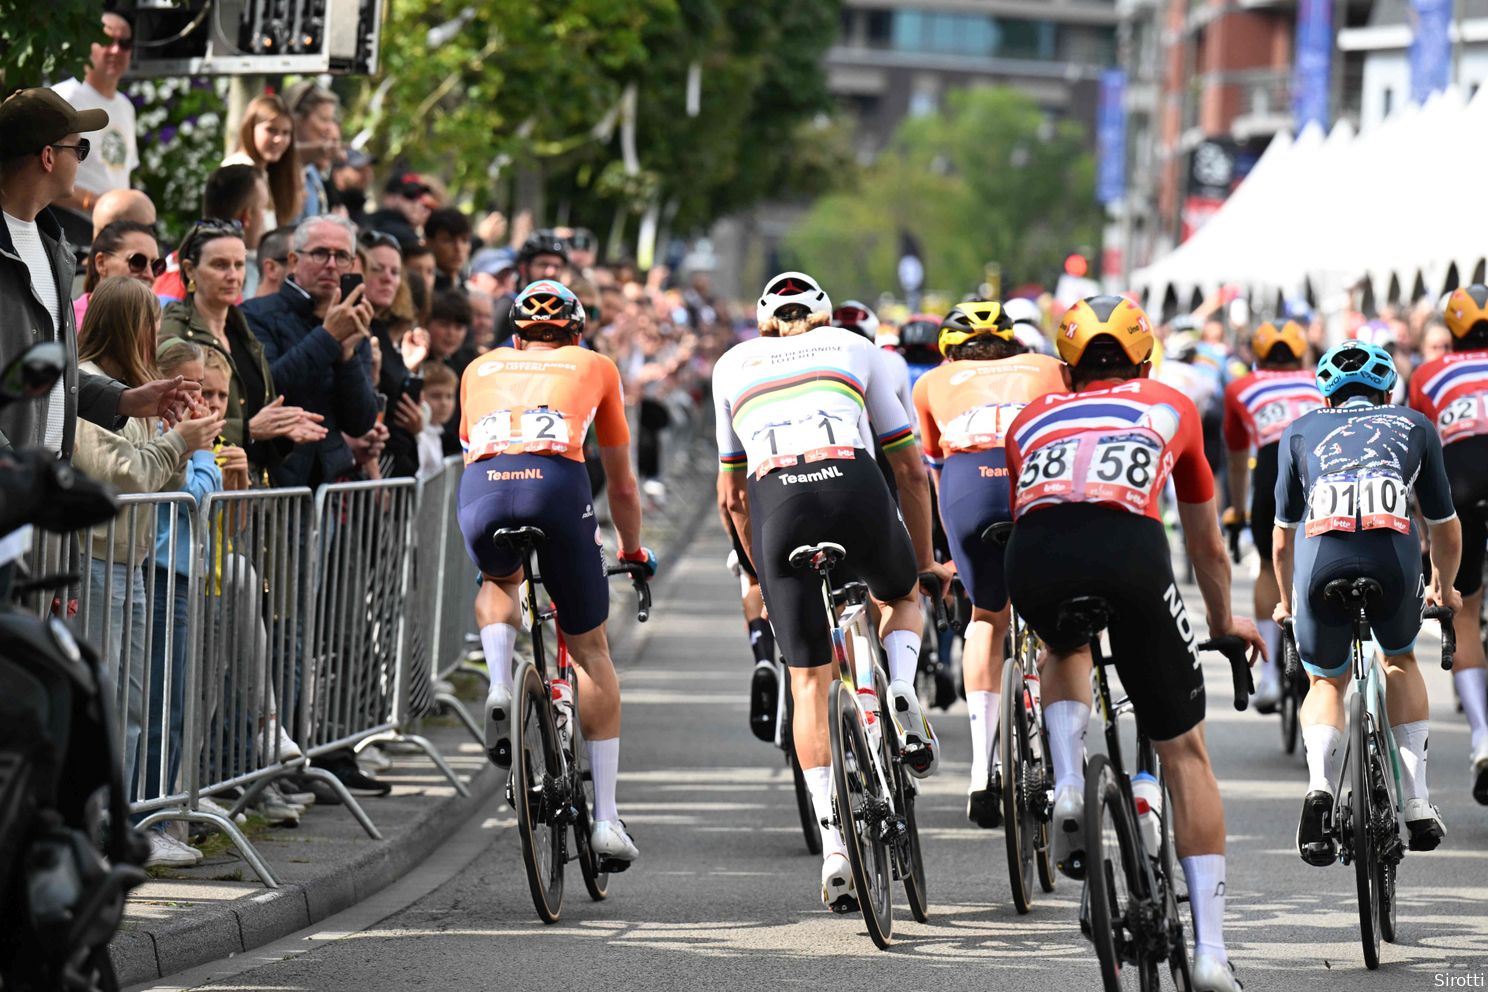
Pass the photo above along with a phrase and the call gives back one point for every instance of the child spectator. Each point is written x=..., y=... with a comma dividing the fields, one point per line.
x=440, y=384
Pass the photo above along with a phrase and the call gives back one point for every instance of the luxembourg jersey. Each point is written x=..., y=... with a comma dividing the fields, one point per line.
x=1113, y=447
x=969, y=405
x=1259, y=406
x=1452, y=391
x=540, y=403
x=782, y=401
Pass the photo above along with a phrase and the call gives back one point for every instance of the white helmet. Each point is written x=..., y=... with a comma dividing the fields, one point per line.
x=792, y=288
x=1021, y=311
x=856, y=317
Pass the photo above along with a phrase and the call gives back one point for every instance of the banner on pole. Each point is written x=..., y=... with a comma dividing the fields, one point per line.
x=1431, y=48
x=1311, y=75
x=1110, y=137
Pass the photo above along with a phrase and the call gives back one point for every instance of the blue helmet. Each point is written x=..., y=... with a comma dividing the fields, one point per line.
x=1355, y=361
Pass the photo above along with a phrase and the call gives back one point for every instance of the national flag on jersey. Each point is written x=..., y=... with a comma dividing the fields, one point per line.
x=1453, y=392
x=1259, y=406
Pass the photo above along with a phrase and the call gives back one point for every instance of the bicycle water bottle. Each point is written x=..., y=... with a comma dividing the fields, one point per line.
x=563, y=708
x=869, y=701
x=1031, y=686
x=1148, y=797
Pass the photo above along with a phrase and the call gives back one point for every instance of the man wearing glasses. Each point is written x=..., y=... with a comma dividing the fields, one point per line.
x=115, y=153
x=317, y=347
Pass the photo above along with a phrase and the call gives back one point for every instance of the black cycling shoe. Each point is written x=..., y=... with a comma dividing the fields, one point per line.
x=1314, y=842
x=984, y=806
x=764, y=698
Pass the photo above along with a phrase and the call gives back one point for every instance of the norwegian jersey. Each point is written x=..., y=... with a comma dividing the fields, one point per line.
x=1114, y=447
x=969, y=405
x=540, y=403
x=1353, y=467
x=1259, y=406
x=782, y=401
x=1452, y=391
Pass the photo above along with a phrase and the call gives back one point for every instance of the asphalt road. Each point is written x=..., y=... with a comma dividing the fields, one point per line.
x=725, y=896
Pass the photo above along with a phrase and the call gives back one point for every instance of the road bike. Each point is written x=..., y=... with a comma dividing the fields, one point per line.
x=1367, y=819
x=1129, y=907
x=551, y=787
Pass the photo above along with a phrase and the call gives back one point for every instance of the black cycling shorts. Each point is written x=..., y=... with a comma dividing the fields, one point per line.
x=974, y=494
x=1070, y=550
x=1467, y=471
x=1325, y=631
x=842, y=501
x=1263, y=501
x=549, y=492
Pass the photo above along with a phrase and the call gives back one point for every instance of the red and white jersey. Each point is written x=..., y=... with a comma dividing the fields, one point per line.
x=1452, y=391
x=1114, y=446
x=1259, y=406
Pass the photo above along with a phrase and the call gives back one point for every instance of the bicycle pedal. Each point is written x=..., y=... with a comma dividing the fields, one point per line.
x=612, y=866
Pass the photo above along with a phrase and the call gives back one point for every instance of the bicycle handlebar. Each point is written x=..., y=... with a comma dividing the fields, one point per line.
x=1237, y=651
x=930, y=583
x=1444, y=614
x=640, y=579
x=1292, y=659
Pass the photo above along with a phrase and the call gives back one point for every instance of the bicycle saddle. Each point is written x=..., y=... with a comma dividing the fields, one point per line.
x=1086, y=616
x=820, y=557
x=518, y=538
x=1353, y=592
x=998, y=533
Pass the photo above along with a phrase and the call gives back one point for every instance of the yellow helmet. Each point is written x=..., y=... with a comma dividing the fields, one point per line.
x=1268, y=336
x=971, y=320
x=1466, y=308
x=1104, y=316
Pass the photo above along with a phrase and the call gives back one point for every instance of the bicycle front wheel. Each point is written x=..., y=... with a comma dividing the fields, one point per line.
x=907, y=850
x=1019, y=827
x=1114, y=881
x=861, y=806
x=1361, y=818
x=536, y=776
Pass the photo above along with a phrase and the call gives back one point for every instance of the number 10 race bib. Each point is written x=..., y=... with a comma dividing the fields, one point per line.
x=1344, y=503
x=1123, y=468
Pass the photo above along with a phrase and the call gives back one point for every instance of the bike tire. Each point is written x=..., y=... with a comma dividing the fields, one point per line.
x=1045, y=811
x=1012, y=738
x=855, y=787
x=1384, y=880
x=1111, y=835
x=596, y=879
x=1178, y=963
x=1361, y=813
x=536, y=765
x=810, y=828
x=911, y=859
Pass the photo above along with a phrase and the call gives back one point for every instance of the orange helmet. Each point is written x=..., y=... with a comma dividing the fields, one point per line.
x=1466, y=308
x=1110, y=316
x=1268, y=336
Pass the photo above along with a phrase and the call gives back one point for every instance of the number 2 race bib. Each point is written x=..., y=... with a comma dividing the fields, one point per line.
x=1463, y=417
x=540, y=431
x=1123, y=468
x=811, y=439
x=980, y=427
x=1343, y=503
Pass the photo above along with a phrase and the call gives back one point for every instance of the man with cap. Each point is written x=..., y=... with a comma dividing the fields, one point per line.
x=403, y=209
x=42, y=144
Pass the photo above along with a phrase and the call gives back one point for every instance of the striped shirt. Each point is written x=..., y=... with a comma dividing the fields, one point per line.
x=1452, y=391
x=1259, y=406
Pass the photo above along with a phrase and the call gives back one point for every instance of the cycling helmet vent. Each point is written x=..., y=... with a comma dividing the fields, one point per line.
x=1355, y=362
x=1104, y=306
x=792, y=287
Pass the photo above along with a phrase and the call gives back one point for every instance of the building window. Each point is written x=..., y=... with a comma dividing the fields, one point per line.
x=973, y=35
x=880, y=27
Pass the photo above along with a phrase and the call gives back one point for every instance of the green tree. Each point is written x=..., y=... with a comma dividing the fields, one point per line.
x=45, y=40
x=987, y=179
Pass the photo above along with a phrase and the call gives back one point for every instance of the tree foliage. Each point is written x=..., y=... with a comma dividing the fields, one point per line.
x=45, y=40
x=987, y=179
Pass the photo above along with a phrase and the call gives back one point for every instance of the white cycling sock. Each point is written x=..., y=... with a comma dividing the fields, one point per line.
x=984, y=708
x=1270, y=667
x=1206, y=894
x=819, y=783
x=1324, y=757
x=1067, y=721
x=604, y=763
x=498, y=640
x=902, y=649
x=1411, y=739
x=1472, y=689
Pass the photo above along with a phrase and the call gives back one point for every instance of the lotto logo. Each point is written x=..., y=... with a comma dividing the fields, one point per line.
x=1070, y=329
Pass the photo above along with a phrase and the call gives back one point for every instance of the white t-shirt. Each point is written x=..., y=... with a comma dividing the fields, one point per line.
x=115, y=153
x=27, y=240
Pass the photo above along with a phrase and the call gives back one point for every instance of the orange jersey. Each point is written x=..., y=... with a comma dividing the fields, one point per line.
x=968, y=405
x=540, y=403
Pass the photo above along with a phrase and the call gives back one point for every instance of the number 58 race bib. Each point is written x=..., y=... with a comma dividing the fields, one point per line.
x=1122, y=468
x=1345, y=502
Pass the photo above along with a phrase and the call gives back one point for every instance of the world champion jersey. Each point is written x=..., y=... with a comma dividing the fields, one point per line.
x=969, y=405
x=540, y=403
x=1259, y=406
x=1452, y=391
x=1113, y=447
x=781, y=401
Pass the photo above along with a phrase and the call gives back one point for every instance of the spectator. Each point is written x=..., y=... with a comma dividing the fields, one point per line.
x=317, y=139
x=266, y=142
x=402, y=346
x=418, y=261
x=494, y=271
x=118, y=341
x=482, y=322
x=272, y=259
x=122, y=204
x=583, y=251
x=115, y=154
x=1436, y=340
x=543, y=255
x=235, y=195
x=440, y=386
x=124, y=248
x=41, y=146
x=403, y=210
x=449, y=326
x=213, y=260
x=447, y=232
x=351, y=178
x=317, y=347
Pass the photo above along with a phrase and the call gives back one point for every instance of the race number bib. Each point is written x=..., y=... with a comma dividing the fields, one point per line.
x=1094, y=468
x=1463, y=417
x=491, y=434
x=544, y=430
x=1272, y=419
x=815, y=438
x=540, y=431
x=980, y=427
x=1344, y=503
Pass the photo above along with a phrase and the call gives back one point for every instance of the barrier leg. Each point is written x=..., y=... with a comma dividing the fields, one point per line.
x=430, y=751
x=346, y=798
x=448, y=700
x=245, y=850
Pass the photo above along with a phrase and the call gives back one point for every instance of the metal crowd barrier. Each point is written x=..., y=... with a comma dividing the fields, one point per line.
x=454, y=644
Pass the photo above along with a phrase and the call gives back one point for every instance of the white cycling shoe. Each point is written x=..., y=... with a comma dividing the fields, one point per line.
x=610, y=841
x=1210, y=974
x=839, y=894
x=922, y=750
x=1069, y=832
x=498, y=725
x=1425, y=825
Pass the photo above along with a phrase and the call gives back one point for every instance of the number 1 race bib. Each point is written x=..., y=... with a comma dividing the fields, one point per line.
x=1124, y=469
x=980, y=427
x=1343, y=503
x=818, y=437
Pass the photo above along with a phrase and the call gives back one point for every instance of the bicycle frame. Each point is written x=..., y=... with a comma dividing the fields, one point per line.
x=1146, y=756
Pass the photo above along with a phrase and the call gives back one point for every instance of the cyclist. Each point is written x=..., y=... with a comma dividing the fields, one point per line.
x=857, y=317
x=1452, y=391
x=1087, y=468
x=524, y=415
x=1028, y=325
x=1343, y=476
x=964, y=408
x=919, y=344
x=798, y=409
x=1257, y=409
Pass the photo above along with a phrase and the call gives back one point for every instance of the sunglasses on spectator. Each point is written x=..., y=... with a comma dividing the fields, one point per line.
x=377, y=239
x=125, y=44
x=320, y=256
x=81, y=148
x=139, y=262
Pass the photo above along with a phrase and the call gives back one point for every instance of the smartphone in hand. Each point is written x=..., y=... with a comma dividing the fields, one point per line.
x=349, y=282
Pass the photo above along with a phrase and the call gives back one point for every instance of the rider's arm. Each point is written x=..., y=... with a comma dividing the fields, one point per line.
x=1211, y=563
x=1282, y=550
x=1237, y=447
x=1239, y=476
x=1434, y=499
x=1291, y=509
x=914, y=499
x=733, y=504
x=624, y=494
x=929, y=429
x=1446, y=553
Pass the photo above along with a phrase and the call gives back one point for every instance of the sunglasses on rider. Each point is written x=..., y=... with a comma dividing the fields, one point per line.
x=139, y=262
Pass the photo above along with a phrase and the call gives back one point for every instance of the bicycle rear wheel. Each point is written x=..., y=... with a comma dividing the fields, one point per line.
x=536, y=769
x=596, y=880
x=861, y=807
x=1167, y=858
x=1018, y=825
x=810, y=828
x=1361, y=816
x=907, y=849
x=1114, y=881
